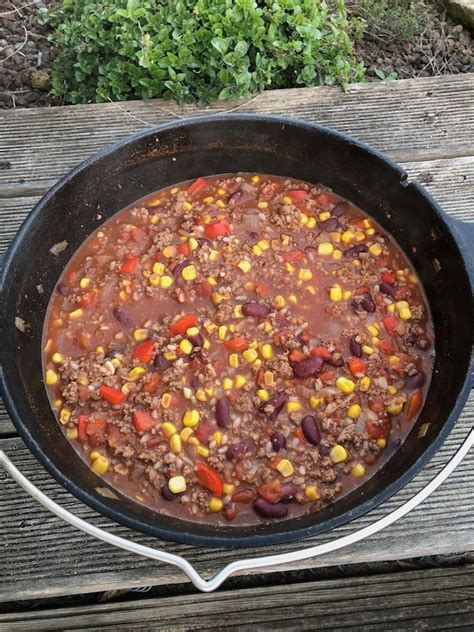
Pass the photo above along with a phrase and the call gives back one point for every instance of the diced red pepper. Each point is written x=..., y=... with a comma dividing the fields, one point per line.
x=206, y=289
x=296, y=355
x=204, y=430
x=322, y=199
x=414, y=404
x=245, y=495
x=237, y=344
x=196, y=186
x=87, y=299
x=379, y=429
x=129, y=265
x=183, y=248
x=390, y=323
x=111, y=395
x=296, y=195
x=96, y=432
x=294, y=255
x=82, y=421
x=356, y=366
x=84, y=394
x=217, y=229
x=152, y=384
x=209, y=478
x=321, y=352
x=388, y=277
x=271, y=491
x=269, y=190
x=144, y=351
x=183, y=323
x=260, y=290
x=143, y=421
x=327, y=376
x=386, y=346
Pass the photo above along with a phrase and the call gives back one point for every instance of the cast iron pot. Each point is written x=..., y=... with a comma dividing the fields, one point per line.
x=440, y=248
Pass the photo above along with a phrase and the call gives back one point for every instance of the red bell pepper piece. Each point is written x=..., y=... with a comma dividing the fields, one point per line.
x=322, y=199
x=386, y=346
x=356, y=366
x=183, y=248
x=296, y=195
x=143, y=421
x=321, y=352
x=96, y=432
x=379, y=429
x=82, y=428
x=237, y=344
x=196, y=186
x=217, y=229
x=152, y=384
x=129, y=265
x=87, y=299
x=388, y=277
x=111, y=395
x=183, y=323
x=144, y=351
x=390, y=323
x=209, y=478
x=414, y=404
x=327, y=376
x=294, y=255
x=271, y=491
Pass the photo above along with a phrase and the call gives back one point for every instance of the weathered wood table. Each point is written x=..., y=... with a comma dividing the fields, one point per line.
x=427, y=126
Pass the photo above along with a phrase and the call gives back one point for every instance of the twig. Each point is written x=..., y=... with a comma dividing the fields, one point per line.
x=23, y=44
x=237, y=107
x=18, y=9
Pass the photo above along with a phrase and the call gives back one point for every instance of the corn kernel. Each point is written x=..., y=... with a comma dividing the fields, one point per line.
x=186, y=346
x=83, y=381
x=356, y=263
x=57, y=358
x=345, y=385
x=396, y=406
x=136, y=373
x=123, y=295
x=269, y=378
x=289, y=267
x=169, y=252
x=358, y=470
x=203, y=451
x=127, y=387
x=405, y=313
x=51, y=377
x=375, y=249
x=65, y=415
x=84, y=282
x=189, y=273
x=177, y=484
x=267, y=328
x=168, y=429
x=99, y=349
x=257, y=251
x=250, y=355
x=191, y=418
x=263, y=394
x=293, y=407
x=335, y=294
x=166, y=282
x=393, y=360
x=140, y=334
x=77, y=313
x=370, y=231
x=154, y=219
x=310, y=289
x=303, y=219
x=311, y=492
x=267, y=351
x=215, y=504
x=354, y=411
x=314, y=401
x=244, y=265
x=57, y=403
x=170, y=355
x=262, y=205
x=185, y=434
x=263, y=244
x=217, y=298
x=293, y=299
x=311, y=223
x=165, y=400
x=305, y=274
x=338, y=453
x=382, y=443
x=392, y=390
x=220, y=203
x=325, y=248
x=115, y=362
x=286, y=199
x=228, y=488
x=368, y=350
x=372, y=329
x=175, y=444
x=337, y=255
x=72, y=434
x=201, y=395
x=57, y=322
x=278, y=301
x=240, y=381
x=234, y=360
x=364, y=384
x=227, y=384
x=359, y=235
x=221, y=332
x=100, y=465
x=324, y=215
x=401, y=304
x=206, y=344
x=285, y=468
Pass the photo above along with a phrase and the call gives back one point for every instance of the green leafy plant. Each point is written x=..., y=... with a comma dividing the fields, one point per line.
x=198, y=51
x=383, y=77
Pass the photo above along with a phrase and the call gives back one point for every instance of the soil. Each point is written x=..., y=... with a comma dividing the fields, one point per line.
x=26, y=55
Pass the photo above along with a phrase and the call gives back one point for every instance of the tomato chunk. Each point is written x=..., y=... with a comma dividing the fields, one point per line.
x=129, y=265
x=82, y=421
x=96, y=432
x=144, y=351
x=183, y=323
x=386, y=346
x=294, y=255
x=390, y=323
x=217, y=229
x=152, y=384
x=322, y=352
x=414, y=404
x=87, y=299
x=356, y=366
x=237, y=344
x=297, y=195
x=143, y=421
x=379, y=429
x=196, y=186
x=271, y=491
x=388, y=277
x=209, y=478
x=111, y=395
x=183, y=249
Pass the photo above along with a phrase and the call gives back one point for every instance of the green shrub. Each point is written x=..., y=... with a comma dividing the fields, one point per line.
x=198, y=51
x=391, y=20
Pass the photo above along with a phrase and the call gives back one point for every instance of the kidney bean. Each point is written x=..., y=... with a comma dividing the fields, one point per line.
x=310, y=429
x=355, y=251
x=230, y=511
x=329, y=225
x=278, y=441
x=388, y=289
x=307, y=368
x=237, y=450
x=267, y=510
x=168, y=494
x=160, y=362
x=340, y=209
x=122, y=317
x=324, y=449
x=288, y=492
x=277, y=402
x=416, y=380
x=222, y=412
x=257, y=310
x=368, y=304
x=63, y=289
x=197, y=340
x=355, y=347
x=244, y=495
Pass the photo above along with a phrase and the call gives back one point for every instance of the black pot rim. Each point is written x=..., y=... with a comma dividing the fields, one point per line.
x=213, y=537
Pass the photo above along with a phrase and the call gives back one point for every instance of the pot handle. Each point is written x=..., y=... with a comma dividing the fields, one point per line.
x=464, y=231
x=245, y=564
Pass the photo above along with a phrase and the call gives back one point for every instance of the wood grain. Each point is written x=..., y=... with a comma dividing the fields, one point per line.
x=434, y=599
x=413, y=119
x=42, y=557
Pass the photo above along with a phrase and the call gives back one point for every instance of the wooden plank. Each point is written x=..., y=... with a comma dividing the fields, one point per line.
x=42, y=557
x=6, y=426
x=435, y=599
x=413, y=119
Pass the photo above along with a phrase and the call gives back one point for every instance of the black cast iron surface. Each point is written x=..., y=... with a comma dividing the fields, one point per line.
x=441, y=249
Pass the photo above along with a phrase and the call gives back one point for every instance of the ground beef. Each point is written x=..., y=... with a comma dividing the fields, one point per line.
x=281, y=366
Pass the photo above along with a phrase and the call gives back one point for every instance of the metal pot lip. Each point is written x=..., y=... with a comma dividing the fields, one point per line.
x=229, y=538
